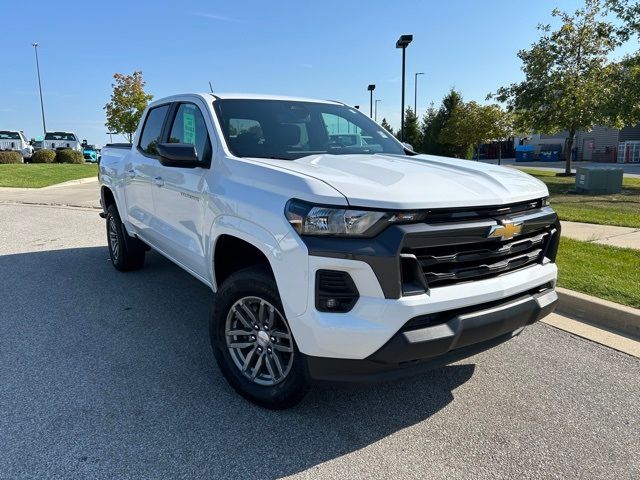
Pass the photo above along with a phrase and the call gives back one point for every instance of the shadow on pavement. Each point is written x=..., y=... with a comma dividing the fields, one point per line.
x=110, y=375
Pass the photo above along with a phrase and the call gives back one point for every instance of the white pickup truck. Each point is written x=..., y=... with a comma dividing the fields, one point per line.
x=62, y=140
x=16, y=141
x=329, y=262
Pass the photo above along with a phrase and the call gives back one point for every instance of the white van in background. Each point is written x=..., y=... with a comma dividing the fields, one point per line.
x=16, y=141
x=60, y=140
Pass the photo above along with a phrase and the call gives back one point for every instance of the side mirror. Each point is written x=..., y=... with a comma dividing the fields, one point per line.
x=182, y=155
x=408, y=146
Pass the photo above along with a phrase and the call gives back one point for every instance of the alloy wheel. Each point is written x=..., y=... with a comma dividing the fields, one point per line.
x=113, y=238
x=259, y=341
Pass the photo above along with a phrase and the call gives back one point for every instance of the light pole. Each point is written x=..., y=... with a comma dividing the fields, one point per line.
x=376, y=110
x=415, y=97
x=44, y=127
x=110, y=137
x=371, y=88
x=403, y=42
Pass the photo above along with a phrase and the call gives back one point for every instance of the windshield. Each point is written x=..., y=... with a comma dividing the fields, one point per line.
x=9, y=135
x=289, y=130
x=60, y=136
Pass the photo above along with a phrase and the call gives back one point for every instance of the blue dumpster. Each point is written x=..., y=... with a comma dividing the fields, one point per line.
x=524, y=153
x=550, y=154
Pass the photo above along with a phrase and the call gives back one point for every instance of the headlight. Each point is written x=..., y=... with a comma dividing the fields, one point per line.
x=545, y=202
x=308, y=219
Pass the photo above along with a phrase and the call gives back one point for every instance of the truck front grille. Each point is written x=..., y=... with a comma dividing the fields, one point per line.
x=447, y=250
x=450, y=264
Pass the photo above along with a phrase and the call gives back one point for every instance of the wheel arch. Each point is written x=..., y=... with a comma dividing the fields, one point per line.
x=232, y=253
x=107, y=198
x=289, y=265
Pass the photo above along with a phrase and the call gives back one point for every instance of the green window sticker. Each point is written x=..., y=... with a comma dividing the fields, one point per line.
x=188, y=127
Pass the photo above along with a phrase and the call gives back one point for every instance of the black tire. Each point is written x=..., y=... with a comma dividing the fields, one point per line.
x=256, y=283
x=127, y=253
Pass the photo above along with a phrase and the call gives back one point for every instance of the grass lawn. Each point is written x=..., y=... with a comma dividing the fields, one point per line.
x=622, y=209
x=43, y=174
x=606, y=272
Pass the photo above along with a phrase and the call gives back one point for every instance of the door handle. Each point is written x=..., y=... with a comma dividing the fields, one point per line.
x=159, y=181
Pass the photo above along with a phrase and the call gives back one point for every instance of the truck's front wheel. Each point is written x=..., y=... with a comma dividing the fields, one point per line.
x=252, y=341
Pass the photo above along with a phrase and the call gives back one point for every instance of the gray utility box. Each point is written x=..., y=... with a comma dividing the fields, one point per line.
x=599, y=180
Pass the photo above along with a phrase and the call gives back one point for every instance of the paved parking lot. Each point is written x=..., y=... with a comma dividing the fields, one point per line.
x=110, y=375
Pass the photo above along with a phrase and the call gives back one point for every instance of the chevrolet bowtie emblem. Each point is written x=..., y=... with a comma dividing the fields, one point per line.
x=505, y=231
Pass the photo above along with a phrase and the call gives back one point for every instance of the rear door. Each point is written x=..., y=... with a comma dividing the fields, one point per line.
x=140, y=168
x=179, y=192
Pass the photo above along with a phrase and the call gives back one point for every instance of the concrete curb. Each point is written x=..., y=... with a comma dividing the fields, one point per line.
x=77, y=181
x=599, y=312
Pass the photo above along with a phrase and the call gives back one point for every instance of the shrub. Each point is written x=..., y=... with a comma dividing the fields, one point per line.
x=69, y=156
x=43, y=156
x=10, y=157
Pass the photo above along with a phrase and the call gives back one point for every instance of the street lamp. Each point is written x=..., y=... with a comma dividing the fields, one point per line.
x=403, y=42
x=376, y=110
x=35, y=47
x=415, y=98
x=371, y=88
x=110, y=136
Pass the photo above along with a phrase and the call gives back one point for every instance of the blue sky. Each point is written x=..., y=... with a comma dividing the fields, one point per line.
x=329, y=49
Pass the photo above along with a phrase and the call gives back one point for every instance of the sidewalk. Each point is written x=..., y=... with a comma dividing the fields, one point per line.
x=624, y=237
x=631, y=170
x=77, y=193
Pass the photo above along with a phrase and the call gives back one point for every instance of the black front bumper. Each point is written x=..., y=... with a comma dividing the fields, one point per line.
x=445, y=338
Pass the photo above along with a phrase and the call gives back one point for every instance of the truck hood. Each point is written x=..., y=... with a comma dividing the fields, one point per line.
x=416, y=182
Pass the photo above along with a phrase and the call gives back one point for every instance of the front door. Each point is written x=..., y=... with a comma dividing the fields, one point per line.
x=139, y=171
x=180, y=202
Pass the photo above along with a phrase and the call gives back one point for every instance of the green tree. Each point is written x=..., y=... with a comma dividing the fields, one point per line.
x=387, y=127
x=474, y=124
x=435, y=120
x=412, y=133
x=128, y=101
x=629, y=12
x=626, y=73
x=568, y=76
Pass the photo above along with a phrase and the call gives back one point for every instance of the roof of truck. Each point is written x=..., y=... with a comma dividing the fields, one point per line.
x=262, y=96
x=248, y=96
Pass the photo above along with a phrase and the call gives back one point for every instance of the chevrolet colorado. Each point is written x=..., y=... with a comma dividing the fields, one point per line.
x=329, y=261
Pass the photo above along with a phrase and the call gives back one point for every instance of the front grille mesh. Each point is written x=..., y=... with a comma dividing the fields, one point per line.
x=450, y=264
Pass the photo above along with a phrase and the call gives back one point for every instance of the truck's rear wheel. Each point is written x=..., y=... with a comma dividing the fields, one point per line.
x=127, y=253
x=253, y=344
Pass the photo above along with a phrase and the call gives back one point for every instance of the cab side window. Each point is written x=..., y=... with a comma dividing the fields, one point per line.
x=152, y=129
x=189, y=127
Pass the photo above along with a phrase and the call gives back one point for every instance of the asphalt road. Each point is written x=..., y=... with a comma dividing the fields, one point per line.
x=110, y=375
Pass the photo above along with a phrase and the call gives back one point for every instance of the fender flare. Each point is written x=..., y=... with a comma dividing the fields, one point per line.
x=270, y=247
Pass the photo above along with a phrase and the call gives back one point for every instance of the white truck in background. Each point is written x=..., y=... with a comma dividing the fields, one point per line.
x=61, y=140
x=16, y=141
x=330, y=259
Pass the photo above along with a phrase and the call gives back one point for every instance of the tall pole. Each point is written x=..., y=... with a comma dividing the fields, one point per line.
x=371, y=88
x=402, y=43
x=404, y=50
x=376, y=110
x=415, y=97
x=44, y=126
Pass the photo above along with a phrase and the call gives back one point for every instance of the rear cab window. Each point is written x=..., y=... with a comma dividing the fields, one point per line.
x=152, y=130
x=4, y=135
